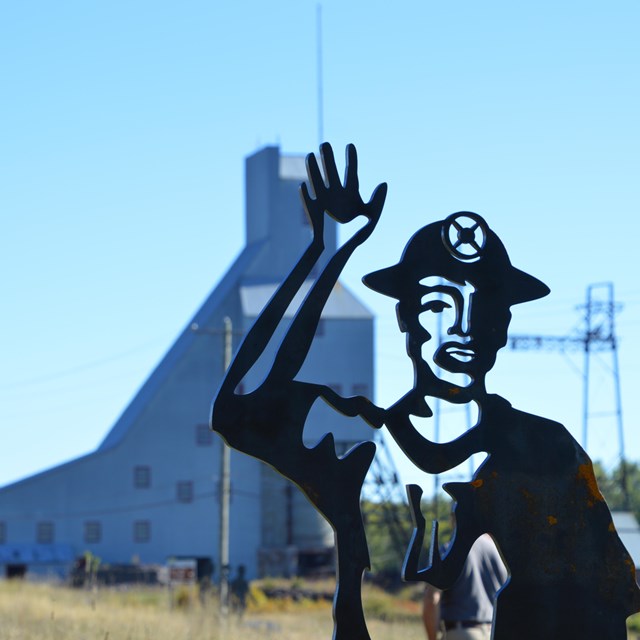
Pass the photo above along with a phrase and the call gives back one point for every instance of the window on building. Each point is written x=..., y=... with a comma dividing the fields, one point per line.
x=142, y=477
x=141, y=531
x=360, y=389
x=92, y=531
x=184, y=491
x=44, y=532
x=3, y=532
x=204, y=435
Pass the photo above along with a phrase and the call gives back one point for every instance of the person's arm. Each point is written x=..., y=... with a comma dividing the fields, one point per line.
x=431, y=611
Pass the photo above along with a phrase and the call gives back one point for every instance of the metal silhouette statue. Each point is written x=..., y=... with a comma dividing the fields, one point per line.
x=535, y=493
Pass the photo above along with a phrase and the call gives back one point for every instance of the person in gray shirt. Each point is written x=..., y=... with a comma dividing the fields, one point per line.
x=465, y=611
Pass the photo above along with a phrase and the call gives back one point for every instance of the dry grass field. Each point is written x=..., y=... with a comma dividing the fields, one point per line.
x=34, y=611
x=30, y=611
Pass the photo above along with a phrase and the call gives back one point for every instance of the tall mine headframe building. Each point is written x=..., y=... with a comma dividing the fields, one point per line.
x=150, y=491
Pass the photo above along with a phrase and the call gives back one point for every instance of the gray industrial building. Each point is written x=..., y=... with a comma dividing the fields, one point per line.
x=150, y=491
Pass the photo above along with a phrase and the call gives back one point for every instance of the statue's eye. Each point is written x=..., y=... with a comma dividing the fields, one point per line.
x=435, y=306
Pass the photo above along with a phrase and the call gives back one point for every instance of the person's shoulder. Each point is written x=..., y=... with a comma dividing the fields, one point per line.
x=489, y=556
x=485, y=545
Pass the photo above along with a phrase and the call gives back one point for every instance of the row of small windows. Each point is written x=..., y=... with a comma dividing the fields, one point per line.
x=92, y=534
x=142, y=480
x=45, y=530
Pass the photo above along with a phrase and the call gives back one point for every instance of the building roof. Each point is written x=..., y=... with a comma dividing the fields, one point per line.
x=179, y=347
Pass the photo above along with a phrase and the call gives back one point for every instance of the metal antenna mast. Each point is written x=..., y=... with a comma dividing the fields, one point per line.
x=319, y=71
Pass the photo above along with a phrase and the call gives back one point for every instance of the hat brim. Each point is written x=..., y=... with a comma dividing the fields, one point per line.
x=390, y=281
x=395, y=282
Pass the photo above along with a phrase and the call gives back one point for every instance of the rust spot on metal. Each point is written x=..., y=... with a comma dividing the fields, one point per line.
x=552, y=520
x=530, y=500
x=477, y=483
x=612, y=529
x=585, y=473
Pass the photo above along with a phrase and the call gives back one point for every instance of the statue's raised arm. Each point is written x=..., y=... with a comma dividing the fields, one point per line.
x=269, y=421
x=343, y=203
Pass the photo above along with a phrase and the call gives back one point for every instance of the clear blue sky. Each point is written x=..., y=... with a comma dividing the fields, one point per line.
x=123, y=128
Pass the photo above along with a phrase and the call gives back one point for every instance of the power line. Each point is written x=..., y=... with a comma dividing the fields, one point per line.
x=76, y=369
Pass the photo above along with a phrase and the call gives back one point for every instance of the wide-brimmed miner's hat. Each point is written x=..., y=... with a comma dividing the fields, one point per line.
x=460, y=248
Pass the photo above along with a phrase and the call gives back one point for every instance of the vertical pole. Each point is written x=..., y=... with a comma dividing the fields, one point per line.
x=225, y=490
x=585, y=384
x=319, y=71
x=611, y=309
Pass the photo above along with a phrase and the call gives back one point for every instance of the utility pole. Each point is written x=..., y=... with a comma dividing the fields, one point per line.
x=225, y=487
x=225, y=468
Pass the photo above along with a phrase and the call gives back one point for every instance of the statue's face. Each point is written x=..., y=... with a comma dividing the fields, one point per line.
x=454, y=331
x=445, y=316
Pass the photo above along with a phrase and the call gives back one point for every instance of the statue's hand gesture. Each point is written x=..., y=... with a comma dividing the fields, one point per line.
x=340, y=201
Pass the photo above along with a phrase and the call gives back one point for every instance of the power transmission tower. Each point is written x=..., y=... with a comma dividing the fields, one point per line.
x=597, y=336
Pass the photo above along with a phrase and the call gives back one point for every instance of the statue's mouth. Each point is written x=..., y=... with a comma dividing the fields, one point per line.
x=459, y=352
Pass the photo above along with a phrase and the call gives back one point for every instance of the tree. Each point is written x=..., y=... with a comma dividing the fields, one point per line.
x=620, y=486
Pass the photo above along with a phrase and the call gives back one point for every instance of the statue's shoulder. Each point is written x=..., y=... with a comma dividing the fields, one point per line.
x=495, y=407
x=530, y=435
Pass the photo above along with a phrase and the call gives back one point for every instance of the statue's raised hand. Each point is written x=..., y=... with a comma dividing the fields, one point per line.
x=341, y=201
